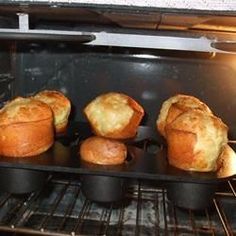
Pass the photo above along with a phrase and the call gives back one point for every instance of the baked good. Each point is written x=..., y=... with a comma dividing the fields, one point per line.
x=26, y=127
x=226, y=162
x=103, y=151
x=195, y=140
x=176, y=105
x=60, y=106
x=114, y=115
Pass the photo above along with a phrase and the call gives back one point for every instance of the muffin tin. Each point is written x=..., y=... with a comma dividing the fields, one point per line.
x=140, y=164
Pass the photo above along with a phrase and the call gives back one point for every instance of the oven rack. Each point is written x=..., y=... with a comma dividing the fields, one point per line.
x=60, y=208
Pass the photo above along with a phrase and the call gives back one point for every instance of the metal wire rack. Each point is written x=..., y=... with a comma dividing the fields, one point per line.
x=61, y=209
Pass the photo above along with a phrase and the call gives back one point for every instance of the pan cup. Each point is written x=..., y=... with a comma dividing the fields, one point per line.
x=103, y=189
x=21, y=181
x=194, y=196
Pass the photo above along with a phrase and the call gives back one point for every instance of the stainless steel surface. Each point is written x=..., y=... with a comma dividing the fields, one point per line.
x=201, y=44
x=219, y=5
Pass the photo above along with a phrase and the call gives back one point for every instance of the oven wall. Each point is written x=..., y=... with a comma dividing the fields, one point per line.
x=6, y=76
x=149, y=76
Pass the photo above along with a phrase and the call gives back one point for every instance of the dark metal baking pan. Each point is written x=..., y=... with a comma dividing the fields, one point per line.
x=141, y=164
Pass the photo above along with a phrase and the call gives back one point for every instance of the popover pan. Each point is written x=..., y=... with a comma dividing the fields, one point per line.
x=64, y=157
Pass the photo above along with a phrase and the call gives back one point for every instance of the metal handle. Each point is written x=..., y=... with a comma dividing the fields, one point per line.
x=46, y=36
x=227, y=46
x=26, y=34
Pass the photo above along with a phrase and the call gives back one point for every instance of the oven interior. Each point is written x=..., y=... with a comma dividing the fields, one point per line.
x=150, y=75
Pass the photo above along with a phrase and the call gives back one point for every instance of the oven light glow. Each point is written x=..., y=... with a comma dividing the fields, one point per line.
x=146, y=56
x=149, y=95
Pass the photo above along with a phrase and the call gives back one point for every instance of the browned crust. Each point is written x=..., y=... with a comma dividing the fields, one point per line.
x=182, y=104
x=103, y=151
x=60, y=98
x=182, y=136
x=61, y=128
x=180, y=148
x=195, y=119
x=161, y=128
x=59, y=103
x=26, y=139
x=227, y=162
x=29, y=110
x=174, y=111
x=130, y=129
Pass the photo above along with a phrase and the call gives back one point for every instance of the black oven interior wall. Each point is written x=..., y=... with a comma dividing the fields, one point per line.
x=6, y=75
x=150, y=76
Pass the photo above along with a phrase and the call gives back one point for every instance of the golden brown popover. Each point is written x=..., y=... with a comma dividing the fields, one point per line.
x=114, y=115
x=195, y=140
x=26, y=127
x=60, y=105
x=176, y=105
x=103, y=151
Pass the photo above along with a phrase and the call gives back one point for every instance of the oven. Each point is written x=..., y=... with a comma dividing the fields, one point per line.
x=84, y=50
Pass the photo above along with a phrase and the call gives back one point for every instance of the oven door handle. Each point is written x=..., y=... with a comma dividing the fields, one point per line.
x=46, y=35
